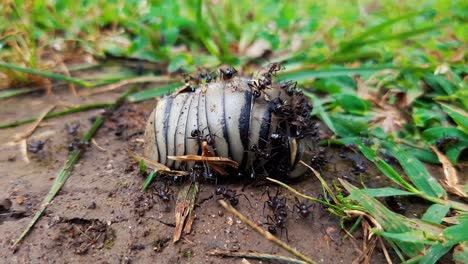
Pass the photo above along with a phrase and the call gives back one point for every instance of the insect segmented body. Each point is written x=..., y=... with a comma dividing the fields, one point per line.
x=261, y=124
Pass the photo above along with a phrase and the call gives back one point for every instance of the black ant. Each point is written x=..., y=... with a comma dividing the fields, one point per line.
x=227, y=73
x=258, y=85
x=274, y=202
x=77, y=145
x=277, y=138
x=275, y=67
x=289, y=86
x=72, y=128
x=302, y=208
x=36, y=146
x=258, y=151
x=445, y=142
x=207, y=76
x=230, y=195
x=275, y=223
x=165, y=194
x=197, y=134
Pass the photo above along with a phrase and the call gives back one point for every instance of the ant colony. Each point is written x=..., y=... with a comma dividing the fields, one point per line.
x=261, y=124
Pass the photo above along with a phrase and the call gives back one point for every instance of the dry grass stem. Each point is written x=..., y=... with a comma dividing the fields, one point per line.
x=265, y=234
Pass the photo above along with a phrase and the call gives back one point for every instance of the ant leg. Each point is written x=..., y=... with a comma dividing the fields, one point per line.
x=245, y=196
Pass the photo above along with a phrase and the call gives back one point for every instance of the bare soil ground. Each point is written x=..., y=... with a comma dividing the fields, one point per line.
x=102, y=215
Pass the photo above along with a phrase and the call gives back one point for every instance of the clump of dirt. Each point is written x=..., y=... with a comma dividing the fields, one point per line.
x=82, y=235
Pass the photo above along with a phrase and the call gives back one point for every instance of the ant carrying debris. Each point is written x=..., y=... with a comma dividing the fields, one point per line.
x=230, y=195
x=302, y=208
x=197, y=134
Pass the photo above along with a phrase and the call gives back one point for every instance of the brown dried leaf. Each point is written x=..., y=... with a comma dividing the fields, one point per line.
x=216, y=160
x=459, y=54
x=451, y=182
x=184, y=212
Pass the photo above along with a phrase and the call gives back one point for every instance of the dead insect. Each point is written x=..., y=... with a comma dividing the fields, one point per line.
x=277, y=123
x=36, y=146
x=302, y=208
x=230, y=195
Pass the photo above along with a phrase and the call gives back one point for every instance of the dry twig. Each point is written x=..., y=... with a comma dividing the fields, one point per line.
x=265, y=234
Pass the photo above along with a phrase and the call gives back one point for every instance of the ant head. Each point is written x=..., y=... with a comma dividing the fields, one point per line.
x=234, y=201
x=195, y=133
x=272, y=229
x=219, y=190
x=210, y=140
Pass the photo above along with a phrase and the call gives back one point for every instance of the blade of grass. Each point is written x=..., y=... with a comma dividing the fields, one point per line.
x=320, y=111
x=403, y=35
x=435, y=213
x=14, y=92
x=416, y=172
x=264, y=233
x=46, y=74
x=58, y=113
x=67, y=169
x=386, y=191
x=307, y=74
x=346, y=45
x=149, y=179
x=390, y=221
x=153, y=92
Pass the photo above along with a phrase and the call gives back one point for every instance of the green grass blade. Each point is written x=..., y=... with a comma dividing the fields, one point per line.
x=416, y=171
x=14, y=92
x=458, y=115
x=386, y=191
x=434, y=253
x=58, y=113
x=416, y=236
x=389, y=221
x=153, y=92
x=46, y=74
x=456, y=234
x=403, y=35
x=306, y=74
x=390, y=172
x=346, y=45
x=320, y=111
x=149, y=179
x=435, y=213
